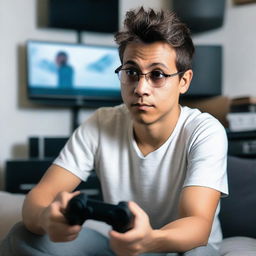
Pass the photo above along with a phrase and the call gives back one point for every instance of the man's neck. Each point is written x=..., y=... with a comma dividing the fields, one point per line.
x=150, y=137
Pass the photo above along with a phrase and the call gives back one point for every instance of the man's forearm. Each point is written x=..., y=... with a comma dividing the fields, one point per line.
x=33, y=207
x=180, y=236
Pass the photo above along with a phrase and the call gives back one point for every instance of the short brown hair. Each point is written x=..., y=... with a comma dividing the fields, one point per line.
x=150, y=26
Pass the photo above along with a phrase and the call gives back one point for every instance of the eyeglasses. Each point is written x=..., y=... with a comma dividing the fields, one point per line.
x=155, y=78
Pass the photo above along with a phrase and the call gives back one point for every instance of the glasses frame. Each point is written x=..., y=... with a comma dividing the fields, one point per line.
x=145, y=74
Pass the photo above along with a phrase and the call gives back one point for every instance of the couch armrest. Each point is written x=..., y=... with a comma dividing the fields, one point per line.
x=10, y=211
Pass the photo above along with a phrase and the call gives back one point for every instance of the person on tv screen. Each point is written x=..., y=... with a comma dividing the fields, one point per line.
x=64, y=70
x=168, y=161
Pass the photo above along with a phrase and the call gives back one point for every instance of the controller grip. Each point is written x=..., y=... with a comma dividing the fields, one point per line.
x=80, y=208
x=75, y=212
x=124, y=218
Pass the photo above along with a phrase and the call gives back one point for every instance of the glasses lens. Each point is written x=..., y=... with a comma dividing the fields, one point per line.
x=157, y=78
x=128, y=76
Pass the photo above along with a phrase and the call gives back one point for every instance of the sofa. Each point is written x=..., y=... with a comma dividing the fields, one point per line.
x=238, y=210
x=237, y=215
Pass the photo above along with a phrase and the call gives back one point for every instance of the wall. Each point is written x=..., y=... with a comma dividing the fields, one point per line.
x=238, y=38
x=20, y=119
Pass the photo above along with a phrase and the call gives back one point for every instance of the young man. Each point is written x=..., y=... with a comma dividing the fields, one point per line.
x=168, y=161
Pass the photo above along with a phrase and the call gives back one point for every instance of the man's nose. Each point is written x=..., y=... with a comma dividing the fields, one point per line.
x=143, y=86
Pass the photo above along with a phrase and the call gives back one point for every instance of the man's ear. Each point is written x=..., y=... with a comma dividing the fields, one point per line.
x=185, y=81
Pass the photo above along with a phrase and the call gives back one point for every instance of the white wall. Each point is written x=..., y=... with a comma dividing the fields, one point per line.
x=19, y=119
x=238, y=37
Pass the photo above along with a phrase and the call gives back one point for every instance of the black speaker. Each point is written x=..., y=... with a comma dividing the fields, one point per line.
x=22, y=175
x=200, y=15
x=53, y=146
x=89, y=15
x=207, y=69
x=46, y=147
x=33, y=147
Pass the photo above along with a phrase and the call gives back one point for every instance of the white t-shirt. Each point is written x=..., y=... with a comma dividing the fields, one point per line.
x=194, y=155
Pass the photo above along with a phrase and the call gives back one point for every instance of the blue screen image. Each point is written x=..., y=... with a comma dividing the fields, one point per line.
x=61, y=70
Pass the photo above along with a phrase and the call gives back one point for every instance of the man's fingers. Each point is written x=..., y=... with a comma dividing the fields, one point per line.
x=135, y=209
x=65, y=197
x=130, y=236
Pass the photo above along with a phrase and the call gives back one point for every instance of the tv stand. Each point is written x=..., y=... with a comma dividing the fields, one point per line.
x=75, y=109
x=75, y=115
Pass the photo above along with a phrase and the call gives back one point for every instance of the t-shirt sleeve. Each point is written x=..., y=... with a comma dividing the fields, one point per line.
x=207, y=156
x=78, y=155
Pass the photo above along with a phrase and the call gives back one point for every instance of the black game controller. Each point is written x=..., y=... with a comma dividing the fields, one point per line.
x=80, y=208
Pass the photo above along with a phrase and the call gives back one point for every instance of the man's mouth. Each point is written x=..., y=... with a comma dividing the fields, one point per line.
x=142, y=106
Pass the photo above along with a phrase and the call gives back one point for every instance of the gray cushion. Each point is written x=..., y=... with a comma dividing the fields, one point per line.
x=238, y=246
x=238, y=210
x=10, y=211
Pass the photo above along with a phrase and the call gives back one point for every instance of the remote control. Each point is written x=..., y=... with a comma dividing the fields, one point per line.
x=80, y=208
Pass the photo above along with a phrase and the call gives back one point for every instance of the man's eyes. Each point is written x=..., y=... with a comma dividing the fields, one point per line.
x=131, y=72
x=156, y=74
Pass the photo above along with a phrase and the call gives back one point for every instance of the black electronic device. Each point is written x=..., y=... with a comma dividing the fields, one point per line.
x=72, y=74
x=80, y=208
x=45, y=147
x=53, y=146
x=200, y=15
x=207, y=72
x=34, y=147
x=84, y=15
x=242, y=144
x=22, y=175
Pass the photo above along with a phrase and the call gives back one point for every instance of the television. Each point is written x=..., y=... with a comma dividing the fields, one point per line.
x=88, y=15
x=72, y=74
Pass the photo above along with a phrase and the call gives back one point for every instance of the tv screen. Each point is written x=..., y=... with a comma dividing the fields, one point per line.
x=72, y=74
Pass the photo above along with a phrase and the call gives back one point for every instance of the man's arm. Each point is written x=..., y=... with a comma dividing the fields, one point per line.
x=192, y=229
x=44, y=204
x=197, y=210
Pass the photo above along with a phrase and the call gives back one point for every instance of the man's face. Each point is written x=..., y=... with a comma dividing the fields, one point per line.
x=61, y=60
x=146, y=103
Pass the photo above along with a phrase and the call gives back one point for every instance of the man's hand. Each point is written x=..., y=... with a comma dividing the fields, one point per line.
x=53, y=221
x=136, y=240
